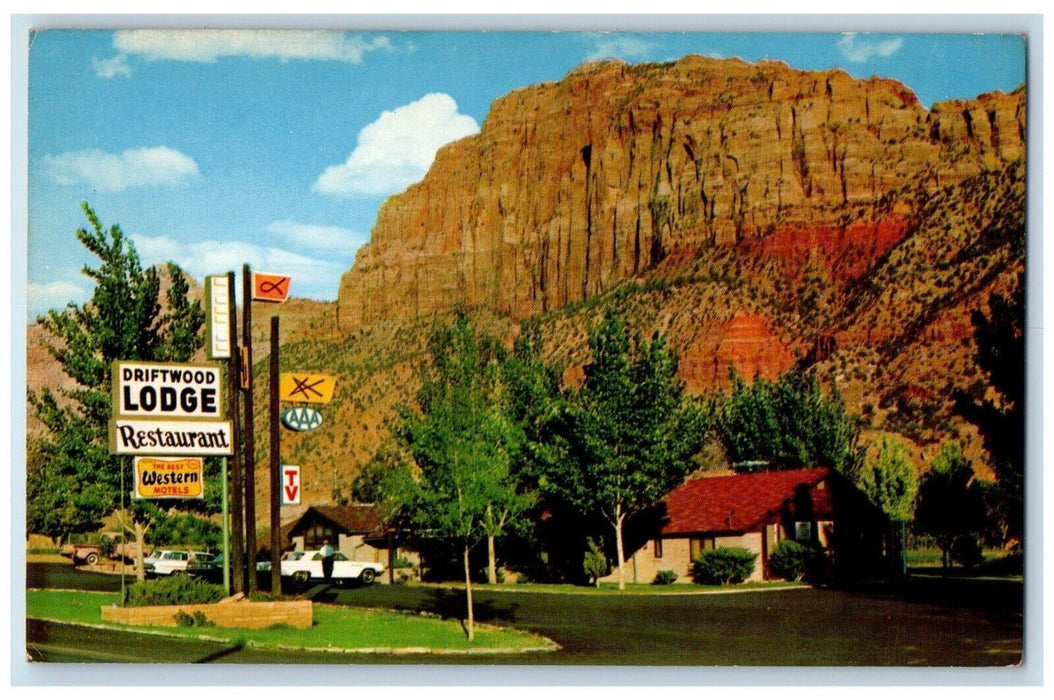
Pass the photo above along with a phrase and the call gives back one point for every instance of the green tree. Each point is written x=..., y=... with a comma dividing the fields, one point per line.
x=950, y=500
x=788, y=424
x=1000, y=338
x=890, y=481
x=77, y=479
x=632, y=431
x=463, y=444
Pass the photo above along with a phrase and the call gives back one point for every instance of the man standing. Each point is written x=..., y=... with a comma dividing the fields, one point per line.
x=327, y=552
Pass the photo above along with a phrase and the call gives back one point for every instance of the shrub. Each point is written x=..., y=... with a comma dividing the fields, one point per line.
x=183, y=619
x=594, y=563
x=664, y=577
x=173, y=590
x=794, y=561
x=790, y=560
x=107, y=546
x=724, y=565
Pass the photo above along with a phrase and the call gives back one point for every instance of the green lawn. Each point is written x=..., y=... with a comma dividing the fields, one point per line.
x=335, y=627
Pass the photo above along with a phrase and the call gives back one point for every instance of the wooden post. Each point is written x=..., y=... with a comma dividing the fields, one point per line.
x=247, y=429
x=276, y=467
x=236, y=561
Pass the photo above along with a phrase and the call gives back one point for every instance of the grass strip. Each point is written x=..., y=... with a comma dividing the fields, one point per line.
x=336, y=628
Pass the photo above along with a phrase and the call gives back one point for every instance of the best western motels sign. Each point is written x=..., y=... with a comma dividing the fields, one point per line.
x=175, y=477
x=168, y=409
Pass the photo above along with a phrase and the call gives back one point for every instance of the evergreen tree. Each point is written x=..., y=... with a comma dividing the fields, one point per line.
x=76, y=480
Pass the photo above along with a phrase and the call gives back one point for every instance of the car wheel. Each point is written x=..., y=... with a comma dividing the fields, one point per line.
x=367, y=576
x=92, y=558
x=178, y=572
x=301, y=576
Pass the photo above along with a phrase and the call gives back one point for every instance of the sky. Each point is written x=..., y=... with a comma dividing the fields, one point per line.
x=216, y=148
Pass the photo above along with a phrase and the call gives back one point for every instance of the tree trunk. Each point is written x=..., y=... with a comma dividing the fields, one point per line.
x=619, y=517
x=468, y=596
x=140, y=542
x=492, y=568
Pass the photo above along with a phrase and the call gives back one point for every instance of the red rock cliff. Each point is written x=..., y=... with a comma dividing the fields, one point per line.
x=572, y=187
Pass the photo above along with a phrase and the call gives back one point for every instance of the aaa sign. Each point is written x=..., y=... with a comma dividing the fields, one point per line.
x=157, y=477
x=306, y=387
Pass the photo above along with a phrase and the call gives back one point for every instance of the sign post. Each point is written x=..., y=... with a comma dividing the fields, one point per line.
x=248, y=430
x=276, y=460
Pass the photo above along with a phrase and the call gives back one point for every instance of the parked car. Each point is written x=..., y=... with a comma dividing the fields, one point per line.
x=211, y=570
x=174, y=561
x=304, y=566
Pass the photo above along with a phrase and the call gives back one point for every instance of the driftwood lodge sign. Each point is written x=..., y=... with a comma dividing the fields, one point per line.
x=169, y=409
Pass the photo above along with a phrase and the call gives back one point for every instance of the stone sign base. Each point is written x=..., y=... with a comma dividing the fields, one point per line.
x=230, y=613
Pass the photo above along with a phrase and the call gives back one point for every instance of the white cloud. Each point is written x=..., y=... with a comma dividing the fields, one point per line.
x=625, y=47
x=316, y=237
x=111, y=67
x=54, y=295
x=207, y=45
x=397, y=149
x=859, y=50
x=115, y=172
x=312, y=278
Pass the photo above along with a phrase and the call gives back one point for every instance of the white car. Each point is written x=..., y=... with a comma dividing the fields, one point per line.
x=174, y=561
x=307, y=565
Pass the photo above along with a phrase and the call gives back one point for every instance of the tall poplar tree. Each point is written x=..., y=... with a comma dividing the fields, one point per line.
x=464, y=445
x=75, y=480
x=632, y=429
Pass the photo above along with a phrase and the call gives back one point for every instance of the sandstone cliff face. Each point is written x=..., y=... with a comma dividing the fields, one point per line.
x=573, y=187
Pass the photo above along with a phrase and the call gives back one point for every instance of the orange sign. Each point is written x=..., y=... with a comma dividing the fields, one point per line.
x=268, y=286
x=306, y=387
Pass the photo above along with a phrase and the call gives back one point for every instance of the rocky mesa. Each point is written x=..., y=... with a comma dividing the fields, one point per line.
x=575, y=186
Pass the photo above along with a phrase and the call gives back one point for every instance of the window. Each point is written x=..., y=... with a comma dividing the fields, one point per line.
x=658, y=548
x=803, y=531
x=698, y=545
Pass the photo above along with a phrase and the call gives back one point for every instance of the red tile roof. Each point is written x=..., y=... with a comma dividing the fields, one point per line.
x=738, y=503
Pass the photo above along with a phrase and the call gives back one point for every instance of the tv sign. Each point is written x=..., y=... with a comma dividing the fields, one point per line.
x=290, y=485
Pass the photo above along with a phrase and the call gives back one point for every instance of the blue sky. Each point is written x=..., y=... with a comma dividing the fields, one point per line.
x=215, y=149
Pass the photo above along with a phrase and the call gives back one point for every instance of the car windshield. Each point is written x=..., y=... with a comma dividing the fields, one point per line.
x=174, y=555
x=295, y=556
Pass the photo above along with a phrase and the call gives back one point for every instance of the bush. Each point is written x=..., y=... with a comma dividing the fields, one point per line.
x=664, y=577
x=107, y=546
x=794, y=561
x=790, y=560
x=594, y=563
x=173, y=590
x=966, y=550
x=724, y=565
